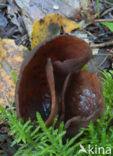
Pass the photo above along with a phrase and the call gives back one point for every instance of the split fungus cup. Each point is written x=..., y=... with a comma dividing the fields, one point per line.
x=51, y=82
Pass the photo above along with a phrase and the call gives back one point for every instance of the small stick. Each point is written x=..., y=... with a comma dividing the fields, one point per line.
x=101, y=45
x=103, y=20
x=110, y=51
x=102, y=62
x=109, y=3
x=104, y=54
x=106, y=11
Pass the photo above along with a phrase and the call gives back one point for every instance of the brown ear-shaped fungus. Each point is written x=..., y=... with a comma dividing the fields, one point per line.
x=46, y=95
x=82, y=100
x=35, y=90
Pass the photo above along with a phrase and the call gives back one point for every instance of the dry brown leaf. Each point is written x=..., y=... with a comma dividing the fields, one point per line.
x=50, y=26
x=11, y=57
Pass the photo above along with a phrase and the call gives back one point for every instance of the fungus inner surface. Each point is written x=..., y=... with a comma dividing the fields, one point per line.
x=33, y=90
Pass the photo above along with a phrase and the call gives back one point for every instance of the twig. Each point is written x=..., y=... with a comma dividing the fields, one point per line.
x=106, y=11
x=110, y=14
x=110, y=51
x=102, y=61
x=108, y=2
x=105, y=44
x=104, y=54
x=103, y=20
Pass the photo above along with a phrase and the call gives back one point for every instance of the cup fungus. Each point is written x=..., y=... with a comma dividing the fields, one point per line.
x=51, y=82
x=82, y=100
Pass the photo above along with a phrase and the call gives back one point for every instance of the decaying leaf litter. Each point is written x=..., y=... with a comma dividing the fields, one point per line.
x=16, y=22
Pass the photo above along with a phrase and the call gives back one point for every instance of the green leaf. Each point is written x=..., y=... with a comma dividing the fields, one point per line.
x=108, y=25
x=84, y=67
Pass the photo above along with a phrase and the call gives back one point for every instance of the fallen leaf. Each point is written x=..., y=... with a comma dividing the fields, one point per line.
x=11, y=57
x=50, y=26
x=69, y=25
x=3, y=20
x=45, y=28
x=33, y=10
x=87, y=9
